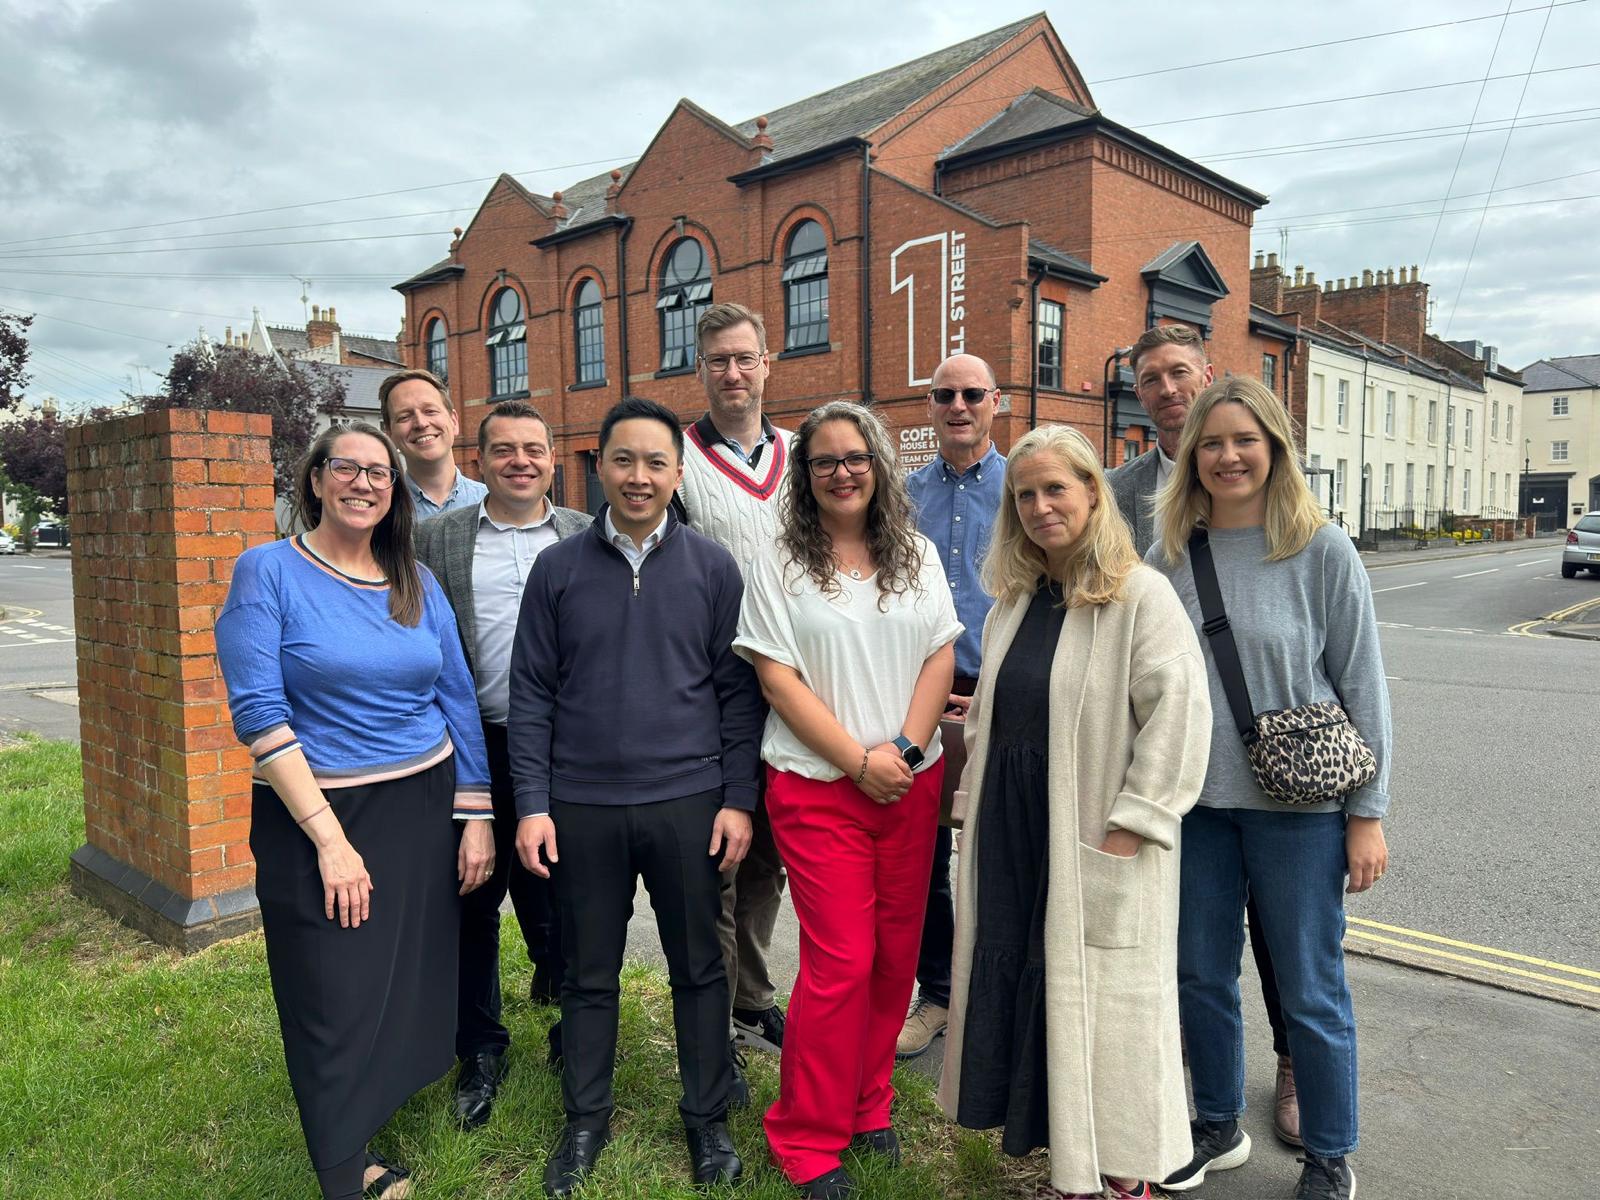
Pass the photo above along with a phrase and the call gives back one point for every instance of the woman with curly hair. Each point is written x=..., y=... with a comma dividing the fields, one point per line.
x=851, y=628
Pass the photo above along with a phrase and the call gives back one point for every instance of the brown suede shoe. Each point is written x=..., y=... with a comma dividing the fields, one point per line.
x=1286, y=1104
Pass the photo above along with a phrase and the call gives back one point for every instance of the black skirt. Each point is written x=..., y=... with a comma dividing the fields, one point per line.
x=368, y=1015
x=1004, y=1069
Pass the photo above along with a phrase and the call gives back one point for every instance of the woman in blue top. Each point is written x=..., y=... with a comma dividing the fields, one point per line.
x=346, y=680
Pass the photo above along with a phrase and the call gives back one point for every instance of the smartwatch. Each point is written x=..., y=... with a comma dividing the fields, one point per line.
x=909, y=751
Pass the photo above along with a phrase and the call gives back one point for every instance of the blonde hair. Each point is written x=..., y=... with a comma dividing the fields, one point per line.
x=1293, y=517
x=1098, y=563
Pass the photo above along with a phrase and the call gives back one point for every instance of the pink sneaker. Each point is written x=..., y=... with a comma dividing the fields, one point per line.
x=1139, y=1191
x=1045, y=1192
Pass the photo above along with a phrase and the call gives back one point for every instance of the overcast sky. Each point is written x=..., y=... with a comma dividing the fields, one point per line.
x=142, y=117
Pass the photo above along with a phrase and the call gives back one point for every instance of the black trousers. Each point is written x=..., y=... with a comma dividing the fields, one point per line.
x=1269, y=982
x=605, y=849
x=478, y=1024
x=939, y=921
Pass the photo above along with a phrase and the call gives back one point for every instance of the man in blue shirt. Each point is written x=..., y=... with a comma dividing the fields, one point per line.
x=957, y=497
x=416, y=412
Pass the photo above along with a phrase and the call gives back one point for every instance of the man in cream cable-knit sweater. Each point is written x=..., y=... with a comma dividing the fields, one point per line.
x=734, y=466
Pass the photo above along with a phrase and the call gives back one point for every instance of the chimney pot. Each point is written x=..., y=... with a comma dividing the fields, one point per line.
x=1261, y=260
x=1366, y=277
x=1311, y=278
x=1414, y=270
x=1299, y=275
x=316, y=312
x=332, y=319
x=1272, y=258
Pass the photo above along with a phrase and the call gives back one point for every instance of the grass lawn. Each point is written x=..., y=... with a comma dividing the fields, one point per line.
x=129, y=1071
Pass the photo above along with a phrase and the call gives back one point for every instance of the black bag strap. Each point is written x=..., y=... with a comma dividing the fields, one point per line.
x=1220, y=634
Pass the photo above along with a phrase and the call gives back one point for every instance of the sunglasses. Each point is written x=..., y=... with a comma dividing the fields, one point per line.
x=972, y=395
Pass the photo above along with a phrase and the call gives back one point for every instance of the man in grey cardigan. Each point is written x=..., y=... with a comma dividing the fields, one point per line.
x=481, y=555
x=1169, y=370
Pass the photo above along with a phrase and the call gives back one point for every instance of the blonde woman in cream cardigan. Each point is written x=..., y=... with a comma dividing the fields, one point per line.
x=1087, y=742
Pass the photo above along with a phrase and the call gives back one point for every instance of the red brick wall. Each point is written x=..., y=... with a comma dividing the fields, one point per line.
x=162, y=504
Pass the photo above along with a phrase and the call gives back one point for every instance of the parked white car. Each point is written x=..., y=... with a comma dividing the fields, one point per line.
x=8, y=544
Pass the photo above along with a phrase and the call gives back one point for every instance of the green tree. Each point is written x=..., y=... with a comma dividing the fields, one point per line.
x=233, y=379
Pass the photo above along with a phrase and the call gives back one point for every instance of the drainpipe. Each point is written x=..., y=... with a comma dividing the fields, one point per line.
x=1361, y=524
x=866, y=274
x=1033, y=357
x=1105, y=389
x=622, y=297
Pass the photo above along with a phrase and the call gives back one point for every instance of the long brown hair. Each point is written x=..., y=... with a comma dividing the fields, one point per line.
x=392, y=547
x=891, y=529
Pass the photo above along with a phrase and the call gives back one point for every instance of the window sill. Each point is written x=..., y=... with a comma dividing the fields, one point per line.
x=806, y=351
x=674, y=371
x=587, y=387
x=522, y=395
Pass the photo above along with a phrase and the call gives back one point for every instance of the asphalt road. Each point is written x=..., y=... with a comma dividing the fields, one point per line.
x=38, y=665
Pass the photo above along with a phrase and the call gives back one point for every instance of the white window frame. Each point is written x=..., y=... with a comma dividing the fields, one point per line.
x=1466, y=432
x=1341, y=404
x=1559, y=450
x=1560, y=406
x=1388, y=414
x=1466, y=489
x=1411, y=484
x=1340, y=468
x=1388, y=483
x=1494, y=420
x=1433, y=422
x=1427, y=487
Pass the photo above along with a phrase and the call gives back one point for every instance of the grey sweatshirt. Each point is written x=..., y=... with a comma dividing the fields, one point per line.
x=1306, y=631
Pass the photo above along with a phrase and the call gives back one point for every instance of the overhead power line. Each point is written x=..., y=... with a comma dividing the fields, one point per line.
x=1344, y=41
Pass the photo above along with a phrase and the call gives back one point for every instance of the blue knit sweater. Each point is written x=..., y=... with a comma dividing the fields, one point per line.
x=626, y=690
x=313, y=661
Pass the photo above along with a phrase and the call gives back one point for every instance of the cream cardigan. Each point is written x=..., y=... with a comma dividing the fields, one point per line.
x=1130, y=732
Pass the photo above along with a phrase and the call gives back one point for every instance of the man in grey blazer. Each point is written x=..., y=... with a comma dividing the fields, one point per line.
x=1169, y=370
x=481, y=556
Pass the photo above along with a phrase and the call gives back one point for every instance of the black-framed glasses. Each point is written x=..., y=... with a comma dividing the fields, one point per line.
x=381, y=478
x=749, y=360
x=854, y=464
x=972, y=395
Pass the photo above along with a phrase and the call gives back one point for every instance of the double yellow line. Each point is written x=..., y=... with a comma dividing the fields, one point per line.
x=1578, y=985
x=1525, y=628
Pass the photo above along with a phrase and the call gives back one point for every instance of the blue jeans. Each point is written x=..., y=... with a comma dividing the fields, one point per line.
x=1293, y=864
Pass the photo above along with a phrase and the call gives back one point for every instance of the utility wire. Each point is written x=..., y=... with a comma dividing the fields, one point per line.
x=1495, y=178
x=1365, y=37
x=1462, y=153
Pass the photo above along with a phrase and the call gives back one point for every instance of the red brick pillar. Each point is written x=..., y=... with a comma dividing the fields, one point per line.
x=162, y=504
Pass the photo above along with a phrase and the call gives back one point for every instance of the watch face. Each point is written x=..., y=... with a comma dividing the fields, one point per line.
x=913, y=757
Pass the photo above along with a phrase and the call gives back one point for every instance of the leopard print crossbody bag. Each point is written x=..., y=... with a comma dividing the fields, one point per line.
x=1309, y=754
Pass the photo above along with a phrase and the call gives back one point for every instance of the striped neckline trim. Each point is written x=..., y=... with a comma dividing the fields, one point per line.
x=322, y=564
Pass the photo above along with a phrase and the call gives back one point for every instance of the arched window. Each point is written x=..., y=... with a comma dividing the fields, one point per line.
x=805, y=288
x=438, y=349
x=685, y=294
x=508, y=345
x=589, y=331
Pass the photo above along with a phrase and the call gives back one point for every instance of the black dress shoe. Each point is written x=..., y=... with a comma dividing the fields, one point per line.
x=835, y=1185
x=542, y=989
x=878, y=1141
x=476, y=1085
x=573, y=1158
x=712, y=1157
x=738, y=1085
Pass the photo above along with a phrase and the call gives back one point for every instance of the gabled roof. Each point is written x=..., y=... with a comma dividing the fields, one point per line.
x=1553, y=374
x=1032, y=113
x=293, y=341
x=441, y=270
x=1187, y=265
x=857, y=108
x=1059, y=262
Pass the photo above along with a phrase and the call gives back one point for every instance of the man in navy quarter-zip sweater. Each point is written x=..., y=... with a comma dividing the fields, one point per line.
x=634, y=738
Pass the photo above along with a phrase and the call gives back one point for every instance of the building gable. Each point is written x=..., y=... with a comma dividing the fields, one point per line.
x=1184, y=284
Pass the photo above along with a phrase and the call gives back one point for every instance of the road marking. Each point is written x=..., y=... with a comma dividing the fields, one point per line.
x=1432, y=940
x=1474, y=574
x=1399, y=586
x=24, y=567
x=1524, y=628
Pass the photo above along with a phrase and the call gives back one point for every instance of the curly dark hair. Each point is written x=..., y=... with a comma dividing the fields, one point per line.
x=891, y=528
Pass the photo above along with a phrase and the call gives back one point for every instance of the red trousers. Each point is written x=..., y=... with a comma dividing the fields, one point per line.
x=858, y=876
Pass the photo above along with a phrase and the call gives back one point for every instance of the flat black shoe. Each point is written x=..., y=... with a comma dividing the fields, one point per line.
x=573, y=1158
x=835, y=1185
x=476, y=1085
x=552, y=1056
x=738, y=1085
x=878, y=1141
x=712, y=1157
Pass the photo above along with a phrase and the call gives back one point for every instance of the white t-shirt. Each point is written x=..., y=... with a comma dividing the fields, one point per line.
x=860, y=661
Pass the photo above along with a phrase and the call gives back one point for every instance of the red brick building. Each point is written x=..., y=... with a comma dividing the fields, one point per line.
x=972, y=199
